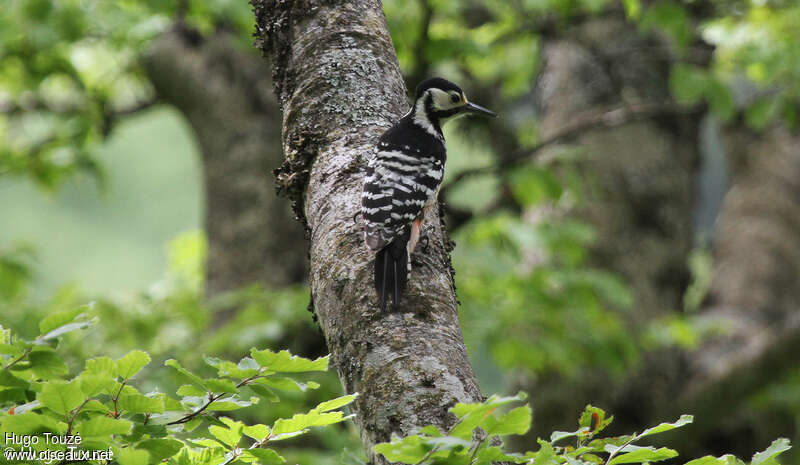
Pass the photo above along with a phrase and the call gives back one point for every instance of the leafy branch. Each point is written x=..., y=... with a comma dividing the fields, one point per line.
x=213, y=398
x=17, y=359
x=461, y=446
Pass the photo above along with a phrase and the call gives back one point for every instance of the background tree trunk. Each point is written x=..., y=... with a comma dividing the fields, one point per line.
x=224, y=91
x=337, y=79
x=638, y=185
x=755, y=293
x=641, y=201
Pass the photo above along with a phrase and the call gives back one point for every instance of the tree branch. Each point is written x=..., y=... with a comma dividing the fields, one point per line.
x=339, y=84
x=605, y=119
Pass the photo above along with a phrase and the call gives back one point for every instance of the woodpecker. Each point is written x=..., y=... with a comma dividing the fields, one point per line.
x=403, y=180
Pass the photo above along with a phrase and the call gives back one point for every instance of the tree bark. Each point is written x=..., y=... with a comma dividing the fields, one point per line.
x=641, y=203
x=338, y=82
x=639, y=188
x=755, y=293
x=224, y=93
x=637, y=193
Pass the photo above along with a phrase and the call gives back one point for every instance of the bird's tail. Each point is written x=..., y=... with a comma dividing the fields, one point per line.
x=391, y=269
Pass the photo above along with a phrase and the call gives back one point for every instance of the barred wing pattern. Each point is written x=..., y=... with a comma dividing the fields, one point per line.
x=400, y=182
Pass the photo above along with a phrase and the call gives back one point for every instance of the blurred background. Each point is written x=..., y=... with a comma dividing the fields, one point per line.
x=629, y=224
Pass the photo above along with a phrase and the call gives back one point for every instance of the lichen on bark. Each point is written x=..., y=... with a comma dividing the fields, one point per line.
x=339, y=86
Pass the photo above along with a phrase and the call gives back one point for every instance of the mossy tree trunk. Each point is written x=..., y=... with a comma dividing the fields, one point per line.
x=339, y=86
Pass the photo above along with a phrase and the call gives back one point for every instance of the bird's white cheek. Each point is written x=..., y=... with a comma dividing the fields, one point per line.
x=442, y=100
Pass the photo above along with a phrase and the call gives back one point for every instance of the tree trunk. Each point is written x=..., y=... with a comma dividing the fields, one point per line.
x=755, y=293
x=339, y=85
x=224, y=92
x=637, y=192
x=641, y=202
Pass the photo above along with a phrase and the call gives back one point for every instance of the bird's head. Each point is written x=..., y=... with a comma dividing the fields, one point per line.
x=440, y=99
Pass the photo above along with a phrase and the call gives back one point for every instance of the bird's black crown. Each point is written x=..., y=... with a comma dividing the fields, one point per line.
x=436, y=83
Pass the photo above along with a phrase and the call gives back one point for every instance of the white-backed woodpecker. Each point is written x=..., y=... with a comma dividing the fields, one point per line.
x=403, y=180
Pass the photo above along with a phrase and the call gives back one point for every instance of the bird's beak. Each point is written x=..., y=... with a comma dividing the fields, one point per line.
x=472, y=108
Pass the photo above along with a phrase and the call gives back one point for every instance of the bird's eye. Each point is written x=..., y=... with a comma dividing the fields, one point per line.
x=455, y=98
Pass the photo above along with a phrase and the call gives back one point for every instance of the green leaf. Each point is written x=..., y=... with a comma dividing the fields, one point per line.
x=31, y=423
x=102, y=426
x=430, y=430
x=644, y=454
x=13, y=396
x=61, y=318
x=61, y=397
x=9, y=380
x=264, y=456
x=92, y=385
x=546, y=455
x=221, y=385
x=207, y=443
x=286, y=384
x=257, y=432
x=67, y=328
x=225, y=435
x=46, y=364
x=264, y=392
x=191, y=390
x=231, y=403
x=410, y=449
x=246, y=368
x=95, y=406
x=461, y=409
x=336, y=403
x=100, y=366
x=777, y=447
x=594, y=417
x=192, y=424
x=129, y=456
x=517, y=421
x=559, y=435
x=284, y=362
x=196, y=380
x=682, y=421
x=475, y=415
x=9, y=349
x=495, y=454
x=301, y=421
x=709, y=460
x=160, y=448
x=131, y=363
x=138, y=403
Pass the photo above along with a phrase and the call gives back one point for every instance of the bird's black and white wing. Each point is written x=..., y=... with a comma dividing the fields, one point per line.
x=400, y=182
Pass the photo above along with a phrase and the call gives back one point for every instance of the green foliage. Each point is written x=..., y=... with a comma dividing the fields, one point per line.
x=701, y=267
x=472, y=441
x=103, y=404
x=69, y=68
x=529, y=297
x=756, y=52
